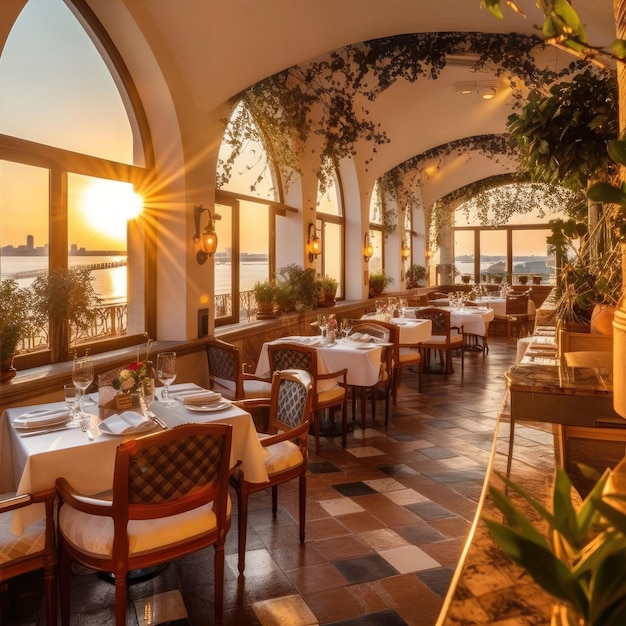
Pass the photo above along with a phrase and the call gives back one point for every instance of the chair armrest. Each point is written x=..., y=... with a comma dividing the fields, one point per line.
x=338, y=374
x=262, y=379
x=252, y=403
x=294, y=433
x=13, y=501
x=80, y=501
x=459, y=329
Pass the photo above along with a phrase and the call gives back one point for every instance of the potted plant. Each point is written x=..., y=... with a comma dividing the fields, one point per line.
x=264, y=292
x=581, y=559
x=465, y=279
x=14, y=324
x=304, y=287
x=64, y=297
x=522, y=279
x=414, y=275
x=328, y=290
x=537, y=280
x=378, y=281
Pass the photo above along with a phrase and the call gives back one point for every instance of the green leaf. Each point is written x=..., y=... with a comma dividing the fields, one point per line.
x=617, y=150
x=493, y=6
x=606, y=193
x=619, y=48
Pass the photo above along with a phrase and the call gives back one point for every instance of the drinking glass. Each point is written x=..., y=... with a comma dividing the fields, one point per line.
x=322, y=322
x=166, y=373
x=147, y=387
x=402, y=304
x=82, y=375
x=346, y=327
x=71, y=393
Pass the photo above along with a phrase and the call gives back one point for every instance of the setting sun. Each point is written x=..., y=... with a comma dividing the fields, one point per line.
x=108, y=205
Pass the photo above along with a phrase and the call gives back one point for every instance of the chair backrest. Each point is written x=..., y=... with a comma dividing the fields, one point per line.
x=440, y=319
x=292, y=356
x=517, y=304
x=225, y=367
x=171, y=472
x=291, y=400
x=386, y=332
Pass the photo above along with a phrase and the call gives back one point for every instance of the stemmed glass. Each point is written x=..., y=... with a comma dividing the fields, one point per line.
x=82, y=376
x=71, y=394
x=166, y=373
x=402, y=304
x=322, y=322
x=346, y=327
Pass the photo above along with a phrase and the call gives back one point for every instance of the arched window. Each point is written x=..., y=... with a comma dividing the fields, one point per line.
x=69, y=166
x=376, y=233
x=246, y=205
x=331, y=225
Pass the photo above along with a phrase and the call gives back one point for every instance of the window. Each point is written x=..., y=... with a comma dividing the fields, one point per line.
x=56, y=172
x=376, y=235
x=330, y=223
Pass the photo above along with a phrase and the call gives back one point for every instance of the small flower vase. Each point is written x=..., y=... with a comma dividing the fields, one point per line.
x=330, y=337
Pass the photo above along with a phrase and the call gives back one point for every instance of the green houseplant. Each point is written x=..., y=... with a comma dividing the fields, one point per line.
x=414, y=275
x=581, y=559
x=328, y=290
x=64, y=297
x=378, y=281
x=302, y=286
x=264, y=294
x=14, y=324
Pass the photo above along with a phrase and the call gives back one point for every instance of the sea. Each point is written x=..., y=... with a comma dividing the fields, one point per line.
x=110, y=284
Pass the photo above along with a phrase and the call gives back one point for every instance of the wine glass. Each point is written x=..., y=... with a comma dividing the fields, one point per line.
x=82, y=376
x=346, y=327
x=322, y=322
x=402, y=305
x=71, y=394
x=166, y=373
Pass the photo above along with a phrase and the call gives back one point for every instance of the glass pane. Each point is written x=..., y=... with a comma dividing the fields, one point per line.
x=251, y=173
x=376, y=262
x=492, y=255
x=98, y=214
x=254, y=241
x=57, y=90
x=24, y=230
x=333, y=245
x=224, y=287
x=330, y=201
x=464, y=256
x=376, y=216
x=530, y=256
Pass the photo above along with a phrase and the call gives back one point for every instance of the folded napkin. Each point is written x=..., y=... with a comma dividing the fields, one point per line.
x=126, y=422
x=361, y=337
x=202, y=398
x=41, y=417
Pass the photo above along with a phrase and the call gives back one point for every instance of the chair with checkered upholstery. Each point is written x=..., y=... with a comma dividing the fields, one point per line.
x=226, y=373
x=285, y=444
x=34, y=549
x=329, y=389
x=169, y=499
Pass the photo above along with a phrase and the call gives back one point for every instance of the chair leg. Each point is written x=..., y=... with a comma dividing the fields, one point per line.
x=121, y=597
x=363, y=401
x=218, y=574
x=65, y=574
x=242, y=527
x=302, y=503
x=274, y=500
x=317, y=420
x=386, y=407
x=344, y=421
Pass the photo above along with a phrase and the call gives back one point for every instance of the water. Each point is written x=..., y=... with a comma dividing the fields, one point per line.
x=110, y=284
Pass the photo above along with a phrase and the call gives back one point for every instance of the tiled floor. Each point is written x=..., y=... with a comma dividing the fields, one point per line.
x=387, y=519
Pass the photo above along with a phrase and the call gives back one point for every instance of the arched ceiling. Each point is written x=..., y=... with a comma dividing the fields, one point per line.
x=213, y=49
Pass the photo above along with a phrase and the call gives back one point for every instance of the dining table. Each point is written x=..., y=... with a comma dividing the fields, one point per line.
x=362, y=359
x=473, y=319
x=32, y=459
x=412, y=331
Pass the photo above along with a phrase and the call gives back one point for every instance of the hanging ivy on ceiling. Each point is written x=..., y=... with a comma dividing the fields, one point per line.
x=493, y=201
x=324, y=103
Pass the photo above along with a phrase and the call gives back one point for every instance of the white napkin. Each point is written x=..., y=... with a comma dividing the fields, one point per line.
x=361, y=337
x=202, y=398
x=127, y=422
x=41, y=417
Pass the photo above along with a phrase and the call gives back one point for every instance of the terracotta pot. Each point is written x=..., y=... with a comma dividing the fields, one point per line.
x=602, y=319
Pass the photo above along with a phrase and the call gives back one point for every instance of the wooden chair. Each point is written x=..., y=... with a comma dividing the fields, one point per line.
x=34, y=549
x=226, y=373
x=285, y=444
x=169, y=498
x=385, y=375
x=445, y=337
x=517, y=314
x=329, y=389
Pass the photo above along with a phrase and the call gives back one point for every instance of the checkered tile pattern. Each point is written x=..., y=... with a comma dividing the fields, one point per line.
x=162, y=473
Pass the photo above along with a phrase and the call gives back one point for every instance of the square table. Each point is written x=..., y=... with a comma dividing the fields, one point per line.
x=34, y=463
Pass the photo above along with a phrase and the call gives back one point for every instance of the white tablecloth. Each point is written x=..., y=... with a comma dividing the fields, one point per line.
x=473, y=319
x=362, y=360
x=34, y=463
x=499, y=305
x=411, y=331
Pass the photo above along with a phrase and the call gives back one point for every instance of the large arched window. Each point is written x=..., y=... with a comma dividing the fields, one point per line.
x=68, y=166
x=330, y=225
x=246, y=205
x=376, y=233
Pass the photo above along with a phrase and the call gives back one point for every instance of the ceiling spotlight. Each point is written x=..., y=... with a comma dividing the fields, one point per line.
x=465, y=89
x=487, y=93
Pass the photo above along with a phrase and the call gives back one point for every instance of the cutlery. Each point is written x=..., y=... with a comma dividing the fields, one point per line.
x=150, y=415
x=45, y=431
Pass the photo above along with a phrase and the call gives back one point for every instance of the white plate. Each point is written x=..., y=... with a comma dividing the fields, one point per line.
x=44, y=422
x=207, y=408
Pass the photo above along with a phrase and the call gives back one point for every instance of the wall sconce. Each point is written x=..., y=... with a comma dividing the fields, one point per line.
x=485, y=89
x=208, y=238
x=314, y=243
x=368, y=248
x=405, y=251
